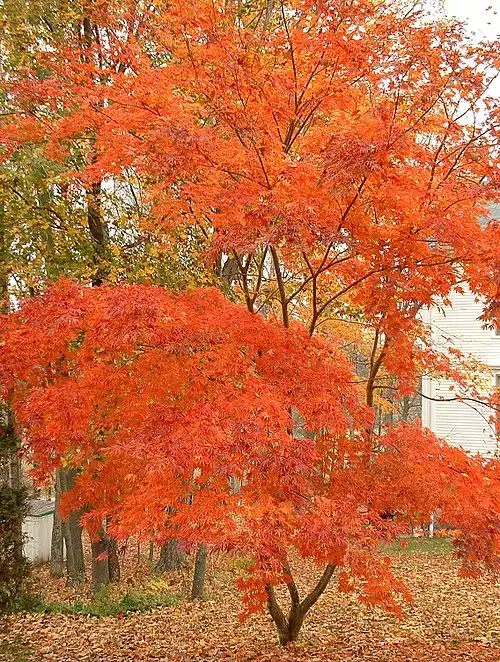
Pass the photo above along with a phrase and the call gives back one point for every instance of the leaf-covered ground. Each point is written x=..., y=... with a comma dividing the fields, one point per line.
x=451, y=619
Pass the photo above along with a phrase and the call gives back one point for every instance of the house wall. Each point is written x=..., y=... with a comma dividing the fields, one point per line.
x=38, y=531
x=461, y=423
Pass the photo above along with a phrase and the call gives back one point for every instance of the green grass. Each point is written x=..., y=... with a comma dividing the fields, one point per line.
x=419, y=546
x=100, y=606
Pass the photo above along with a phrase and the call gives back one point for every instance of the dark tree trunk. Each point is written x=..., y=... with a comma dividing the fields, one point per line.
x=113, y=560
x=16, y=485
x=295, y=621
x=95, y=220
x=99, y=232
x=200, y=568
x=172, y=557
x=72, y=533
x=75, y=536
x=100, y=566
x=70, y=563
x=105, y=561
x=57, y=542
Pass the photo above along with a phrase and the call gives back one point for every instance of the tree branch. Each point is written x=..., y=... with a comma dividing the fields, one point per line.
x=292, y=587
x=281, y=287
x=318, y=590
x=275, y=610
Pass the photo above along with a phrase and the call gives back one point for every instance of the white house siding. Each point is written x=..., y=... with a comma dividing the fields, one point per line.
x=37, y=528
x=462, y=424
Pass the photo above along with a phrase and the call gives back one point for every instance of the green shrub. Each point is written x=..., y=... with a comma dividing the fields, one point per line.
x=241, y=564
x=14, y=567
x=29, y=602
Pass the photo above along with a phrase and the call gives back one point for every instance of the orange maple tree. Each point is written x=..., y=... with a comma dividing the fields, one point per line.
x=160, y=402
x=338, y=155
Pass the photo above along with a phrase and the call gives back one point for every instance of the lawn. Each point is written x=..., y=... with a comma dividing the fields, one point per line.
x=451, y=618
x=422, y=545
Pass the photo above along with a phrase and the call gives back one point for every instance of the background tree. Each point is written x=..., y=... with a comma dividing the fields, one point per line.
x=14, y=569
x=52, y=227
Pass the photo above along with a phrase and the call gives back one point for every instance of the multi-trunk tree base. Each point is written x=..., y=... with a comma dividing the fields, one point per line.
x=288, y=628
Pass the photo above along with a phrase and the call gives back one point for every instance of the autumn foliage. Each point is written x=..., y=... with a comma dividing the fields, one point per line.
x=162, y=399
x=331, y=154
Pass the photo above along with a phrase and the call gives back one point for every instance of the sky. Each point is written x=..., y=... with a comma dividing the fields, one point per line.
x=484, y=23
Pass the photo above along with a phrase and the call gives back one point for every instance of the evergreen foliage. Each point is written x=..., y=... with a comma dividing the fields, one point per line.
x=14, y=567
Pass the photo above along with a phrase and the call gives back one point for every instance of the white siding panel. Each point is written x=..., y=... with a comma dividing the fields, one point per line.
x=464, y=424
x=45, y=537
x=31, y=541
x=461, y=423
x=38, y=531
x=459, y=325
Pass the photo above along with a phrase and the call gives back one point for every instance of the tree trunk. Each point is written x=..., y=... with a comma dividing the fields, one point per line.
x=57, y=542
x=113, y=560
x=70, y=563
x=269, y=11
x=172, y=557
x=99, y=232
x=72, y=533
x=16, y=486
x=100, y=566
x=294, y=625
x=105, y=561
x=200, y=568
x=235, y=484
x=75, y=535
